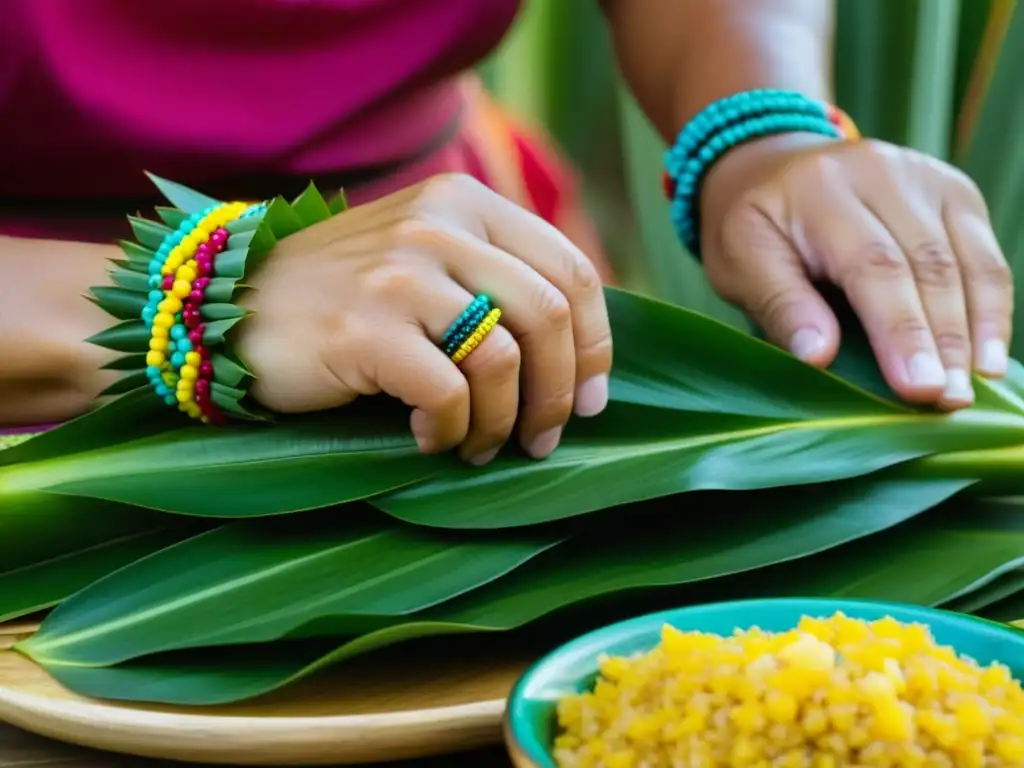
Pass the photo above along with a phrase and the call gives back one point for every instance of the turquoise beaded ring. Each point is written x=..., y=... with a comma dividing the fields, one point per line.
x=465, y=324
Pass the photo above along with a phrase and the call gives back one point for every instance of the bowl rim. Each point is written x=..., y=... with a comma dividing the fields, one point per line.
x=525, y=747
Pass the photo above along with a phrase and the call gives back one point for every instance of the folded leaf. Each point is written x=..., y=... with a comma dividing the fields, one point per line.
x=46, y=583
x=645, y=555
x=149, y=233
x=126, y=336
x=122, y=303
x=257, y=581
x=181, y=196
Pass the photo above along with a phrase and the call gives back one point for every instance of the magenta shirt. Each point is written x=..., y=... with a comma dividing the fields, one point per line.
x=93, y=92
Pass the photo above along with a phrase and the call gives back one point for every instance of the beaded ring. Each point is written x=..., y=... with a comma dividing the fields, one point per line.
x=478, y=335
x=465, y=324
x=724, y=125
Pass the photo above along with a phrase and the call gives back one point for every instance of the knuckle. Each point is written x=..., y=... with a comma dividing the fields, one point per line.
x=909, y=326
x=419, y=232
x=451, y=396
x=773, y=305
x=446, y=187
x=598, y=349
x=551, y=307
x=934, y=265
x=497, y=356
x=991, y=270
x=965, y=188
x=390, y=279
x=875, y=259
x=582, y=276
x=952, y=341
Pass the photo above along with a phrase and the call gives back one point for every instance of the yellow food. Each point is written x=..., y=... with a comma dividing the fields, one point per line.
x=833, y=692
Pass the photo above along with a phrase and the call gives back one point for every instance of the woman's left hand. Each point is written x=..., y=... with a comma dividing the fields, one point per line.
x=905, y=236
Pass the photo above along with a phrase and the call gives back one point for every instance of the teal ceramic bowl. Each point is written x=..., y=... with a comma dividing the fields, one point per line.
x=530, y=714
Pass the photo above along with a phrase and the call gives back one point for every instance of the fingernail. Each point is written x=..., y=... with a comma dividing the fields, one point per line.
x=994, y=357
x=807, y=343
x=958, y=386
x=419, y=422
x=925, y=370
x=592, y=396
x=484, y=458
x=544, y=443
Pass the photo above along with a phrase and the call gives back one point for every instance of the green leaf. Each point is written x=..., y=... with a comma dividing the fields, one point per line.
x=181, y=196
x=211, y=311
x=227, y=371
x=231, y=263
x=137, y=257
x=990, y=595
x=338, y=203
x=281, y=219
x=268, y=580
x=48, y=582
x=993, y=158
x=221, y=289
x=216, y=330
x=172, y=217
x=310, y=207
x=662, y=550
x=149, y=233
x=126, y=383
x=126, y=363
x=133, y=281
x=129, y=417
x=248, y=224
x=126, y=336
x=119, y=302
x=297, y=465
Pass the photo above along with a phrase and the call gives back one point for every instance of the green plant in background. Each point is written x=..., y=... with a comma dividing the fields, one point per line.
x=283, y=549
x=906, y=70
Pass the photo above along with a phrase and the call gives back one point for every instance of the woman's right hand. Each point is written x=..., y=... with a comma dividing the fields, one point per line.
x=357, y=305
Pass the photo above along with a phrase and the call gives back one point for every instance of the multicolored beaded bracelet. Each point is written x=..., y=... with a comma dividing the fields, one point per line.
x=178, y=366
x=727, y=123
x=175, y=291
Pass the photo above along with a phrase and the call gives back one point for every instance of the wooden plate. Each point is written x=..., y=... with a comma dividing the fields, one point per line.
x=386, y=707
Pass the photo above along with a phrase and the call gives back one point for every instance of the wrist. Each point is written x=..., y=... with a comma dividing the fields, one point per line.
x=738, y=121
x=47, y=372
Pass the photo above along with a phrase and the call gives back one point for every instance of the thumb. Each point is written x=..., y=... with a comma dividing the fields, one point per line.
x=771, y=284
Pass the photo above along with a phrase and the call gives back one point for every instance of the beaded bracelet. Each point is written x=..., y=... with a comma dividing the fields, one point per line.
x=175, y=289
x=725, y=124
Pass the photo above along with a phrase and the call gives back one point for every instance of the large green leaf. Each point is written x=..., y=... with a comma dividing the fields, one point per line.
x=661, y=548
x=46, y=583
x=302, y=465
x=896, y=69
x=993, y=157
x=698, y=406
x=260, y=580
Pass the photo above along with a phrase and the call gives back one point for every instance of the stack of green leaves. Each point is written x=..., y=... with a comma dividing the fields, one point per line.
x=199, y=565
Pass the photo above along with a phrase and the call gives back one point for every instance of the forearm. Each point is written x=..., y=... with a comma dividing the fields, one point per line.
x=680, y=55
x=47, y=371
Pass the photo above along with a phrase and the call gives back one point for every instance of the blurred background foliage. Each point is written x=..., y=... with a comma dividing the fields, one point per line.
x=942, y=76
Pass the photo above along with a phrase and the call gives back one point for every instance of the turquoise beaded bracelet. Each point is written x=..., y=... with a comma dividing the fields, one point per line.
x=724, y=124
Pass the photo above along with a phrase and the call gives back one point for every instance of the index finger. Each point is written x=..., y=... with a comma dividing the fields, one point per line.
x=529, y=238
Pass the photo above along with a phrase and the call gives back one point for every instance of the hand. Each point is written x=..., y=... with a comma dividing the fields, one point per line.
x=906, y=237
x=356, y=305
